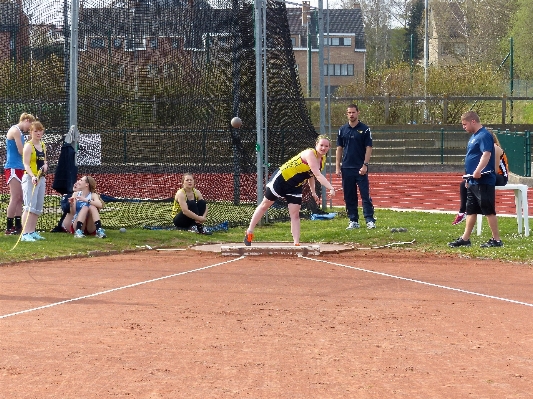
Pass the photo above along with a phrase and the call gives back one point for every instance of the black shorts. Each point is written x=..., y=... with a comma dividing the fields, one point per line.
x=500, y=180
x=278, y=188
x=481, y=199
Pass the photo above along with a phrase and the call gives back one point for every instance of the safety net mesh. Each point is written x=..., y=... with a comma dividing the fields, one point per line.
x=158, y=82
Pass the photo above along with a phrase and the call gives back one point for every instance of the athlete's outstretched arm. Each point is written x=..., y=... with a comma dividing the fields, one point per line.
x=314, y=165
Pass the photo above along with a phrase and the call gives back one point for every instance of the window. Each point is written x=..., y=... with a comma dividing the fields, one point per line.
x=339, y=41
x=153, y=42
x=454, y=48
x=460, y=48
x=347, y=69
x=177, y=42
x=97, y=42
x=152, y=70
x=120, y=71
x=217, y=40
x=223, y=41
x=359, y=44
x=168, y=70
x=135, y=43
x=117, y=43
x=338, y=69
x=293, y=42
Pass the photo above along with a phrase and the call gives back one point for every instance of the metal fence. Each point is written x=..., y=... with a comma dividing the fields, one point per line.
x=517, y=146
x=424, y=110
x=434, y=145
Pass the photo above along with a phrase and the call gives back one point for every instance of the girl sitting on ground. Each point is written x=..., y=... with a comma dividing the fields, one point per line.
x=85, y=205
x=190, y=209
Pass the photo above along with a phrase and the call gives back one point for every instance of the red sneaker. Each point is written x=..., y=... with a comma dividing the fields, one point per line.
x=459, y=218
x=13, y=231
x=248, y=238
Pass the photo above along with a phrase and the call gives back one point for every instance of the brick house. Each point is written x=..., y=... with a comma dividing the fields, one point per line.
x=345, y=45
x=447, y=45
x=14, y=31
x=128, y=32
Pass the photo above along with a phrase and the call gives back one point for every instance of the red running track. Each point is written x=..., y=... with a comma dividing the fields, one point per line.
x=424, y=191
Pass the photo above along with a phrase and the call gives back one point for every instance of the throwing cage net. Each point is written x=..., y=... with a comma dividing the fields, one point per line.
x=158, y=83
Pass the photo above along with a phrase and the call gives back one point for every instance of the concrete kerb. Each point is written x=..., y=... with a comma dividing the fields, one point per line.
x=516, y=179
x=273, y=248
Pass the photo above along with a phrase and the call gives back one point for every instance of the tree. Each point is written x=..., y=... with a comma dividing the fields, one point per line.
x=522, y=33
x=377, y=23
x=399, y=45
x=389, y=25
x=484, y=25
x=415, y=28
x=400, y=80
x=400, y=12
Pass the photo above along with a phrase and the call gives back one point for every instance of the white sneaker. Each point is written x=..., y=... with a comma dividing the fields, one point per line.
x=100, y=233
x=79, y=234
x=352, y=225
x=27, y=237
x=36, y=236
x=370, y=225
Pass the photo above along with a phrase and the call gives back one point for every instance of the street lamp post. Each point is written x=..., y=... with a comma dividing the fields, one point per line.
x=426, y=57
x=309, y=72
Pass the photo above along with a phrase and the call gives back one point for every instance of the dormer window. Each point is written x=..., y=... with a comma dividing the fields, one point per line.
x=135, y=43
x=96, y=42
x=339, y=41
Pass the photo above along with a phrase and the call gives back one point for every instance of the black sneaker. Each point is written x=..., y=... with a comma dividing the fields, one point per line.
x=492, y=243
x=59, y=229
x=203, y=230
x=460, y=243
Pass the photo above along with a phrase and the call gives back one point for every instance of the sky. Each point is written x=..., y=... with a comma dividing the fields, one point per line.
x=48, y=11
x=314, y=3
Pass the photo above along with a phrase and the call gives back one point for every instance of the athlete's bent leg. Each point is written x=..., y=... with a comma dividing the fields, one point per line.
x=258, y=213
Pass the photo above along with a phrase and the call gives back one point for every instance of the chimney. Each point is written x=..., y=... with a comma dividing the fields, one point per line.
x=306, y=11
x=356, y=4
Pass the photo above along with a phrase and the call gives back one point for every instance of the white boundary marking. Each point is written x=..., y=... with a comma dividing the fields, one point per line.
x=118, y=288
x=423, y=282
x=171, y=249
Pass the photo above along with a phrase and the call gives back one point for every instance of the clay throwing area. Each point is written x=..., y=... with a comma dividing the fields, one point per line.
x=377, y=323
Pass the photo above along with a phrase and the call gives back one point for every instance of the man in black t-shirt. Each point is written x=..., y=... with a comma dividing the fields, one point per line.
x=354, y=148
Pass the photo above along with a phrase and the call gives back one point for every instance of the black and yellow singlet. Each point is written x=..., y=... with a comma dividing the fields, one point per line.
x=37, y=158
x=295, y=171
x=176, y=208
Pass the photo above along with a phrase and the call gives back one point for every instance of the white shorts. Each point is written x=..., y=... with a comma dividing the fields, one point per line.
x=33, y=196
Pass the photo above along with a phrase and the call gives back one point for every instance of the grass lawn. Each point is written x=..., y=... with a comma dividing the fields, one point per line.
x=432, y=232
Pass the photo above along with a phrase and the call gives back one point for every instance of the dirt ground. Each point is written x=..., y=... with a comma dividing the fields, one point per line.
x=388, y=323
